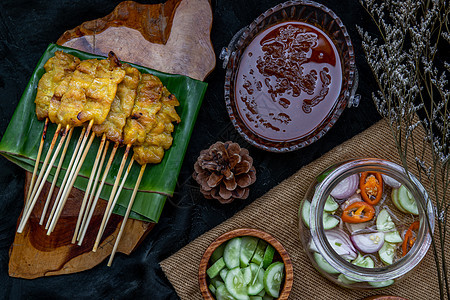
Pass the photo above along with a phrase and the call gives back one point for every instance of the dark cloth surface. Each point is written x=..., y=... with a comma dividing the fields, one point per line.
x=27, y=27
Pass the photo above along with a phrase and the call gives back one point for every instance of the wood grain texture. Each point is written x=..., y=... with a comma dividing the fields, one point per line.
x=34, y=254
x=281, y=252
x=138, y=33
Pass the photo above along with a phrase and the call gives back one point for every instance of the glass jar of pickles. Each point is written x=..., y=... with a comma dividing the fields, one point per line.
x=366, y=223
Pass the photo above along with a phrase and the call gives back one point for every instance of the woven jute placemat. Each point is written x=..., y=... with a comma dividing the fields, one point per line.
x=282, y=222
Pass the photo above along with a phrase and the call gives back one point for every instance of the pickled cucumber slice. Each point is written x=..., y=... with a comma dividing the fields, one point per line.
x=330, y=205
x=387, y=253
x=380, y=284
x=394, y=197
x=257, y=283
x=329, y=221
x=268, y=256
x=407, y=201
x=235, y=284
x=324, y=265
x=223, y=294
x=248, y=247
x=214, y=270
x=232, y=252
x=273, y=277
x=259, y=252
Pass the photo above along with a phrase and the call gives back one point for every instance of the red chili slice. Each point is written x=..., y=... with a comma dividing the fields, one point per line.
x=371, y=185
x=358, y=212
x=409, y=239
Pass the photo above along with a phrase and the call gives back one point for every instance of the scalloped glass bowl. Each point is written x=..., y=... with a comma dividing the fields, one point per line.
x=268, y=111
x=381, y=275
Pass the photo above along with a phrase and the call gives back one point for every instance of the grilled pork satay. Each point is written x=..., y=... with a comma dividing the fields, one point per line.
x=57, y=68
x=143, y=115
x=121, y=106
x=102, y=91
x=160, y=137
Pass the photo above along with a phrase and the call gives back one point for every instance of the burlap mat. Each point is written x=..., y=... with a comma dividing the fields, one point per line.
x=276, y=213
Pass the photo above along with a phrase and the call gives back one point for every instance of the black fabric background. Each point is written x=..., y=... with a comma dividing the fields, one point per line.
x=27, y=27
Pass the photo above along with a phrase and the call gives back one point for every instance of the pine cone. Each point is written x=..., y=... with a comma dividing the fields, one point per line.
x=224, y=172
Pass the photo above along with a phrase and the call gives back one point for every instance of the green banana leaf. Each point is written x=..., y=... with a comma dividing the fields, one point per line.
x=21, y=141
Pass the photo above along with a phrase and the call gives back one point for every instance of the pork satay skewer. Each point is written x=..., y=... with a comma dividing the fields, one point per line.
x=127, y=214
x=35, y=194
x=55, y=178
x=56, y=69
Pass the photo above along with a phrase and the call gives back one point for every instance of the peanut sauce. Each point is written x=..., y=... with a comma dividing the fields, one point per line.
x=289, y=79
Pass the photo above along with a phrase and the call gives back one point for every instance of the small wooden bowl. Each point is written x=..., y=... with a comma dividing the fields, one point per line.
x=281, y=252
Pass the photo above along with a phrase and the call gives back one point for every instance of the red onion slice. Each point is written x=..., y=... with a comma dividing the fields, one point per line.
x=391, y=181
x=368, y=242
x=346, y=187
x=341, y=244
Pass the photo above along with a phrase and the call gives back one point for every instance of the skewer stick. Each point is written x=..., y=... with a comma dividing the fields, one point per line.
x=118, y=192
x=88, y=188
x=66, y=176
x=70, y=172
x=44, y=165
x=110, y=205
x=55, y=178
x=65, y=196
x=86, y=222
x=38, y=158
x=94, y=188
x=35, y=196
x=127, y=214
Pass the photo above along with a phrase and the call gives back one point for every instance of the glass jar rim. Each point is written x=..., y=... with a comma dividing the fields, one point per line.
x=403, y=265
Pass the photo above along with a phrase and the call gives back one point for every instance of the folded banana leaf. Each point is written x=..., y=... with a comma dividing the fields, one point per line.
x=21, y=141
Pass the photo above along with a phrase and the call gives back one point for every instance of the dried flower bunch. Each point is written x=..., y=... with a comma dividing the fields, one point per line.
x=409, y=60
x=224, y=172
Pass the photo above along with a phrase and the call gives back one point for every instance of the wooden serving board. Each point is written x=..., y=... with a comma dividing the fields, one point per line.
x=172, y=37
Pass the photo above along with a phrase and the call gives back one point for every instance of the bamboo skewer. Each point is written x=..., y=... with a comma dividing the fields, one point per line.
x=44, y=165
x=36, y=165
x=110, y=205
x=88, y=188
x=68, y=188
x=35, y=195
x=88, y=217
x=66, y=176
x=70, y=174
x=127, y=214
x=55, y=178
x=93, y=193
x=109, y=213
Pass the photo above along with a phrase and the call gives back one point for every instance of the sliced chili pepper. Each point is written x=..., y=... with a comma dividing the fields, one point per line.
x=409, y=239
x=358, y=212
x=371, y=185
